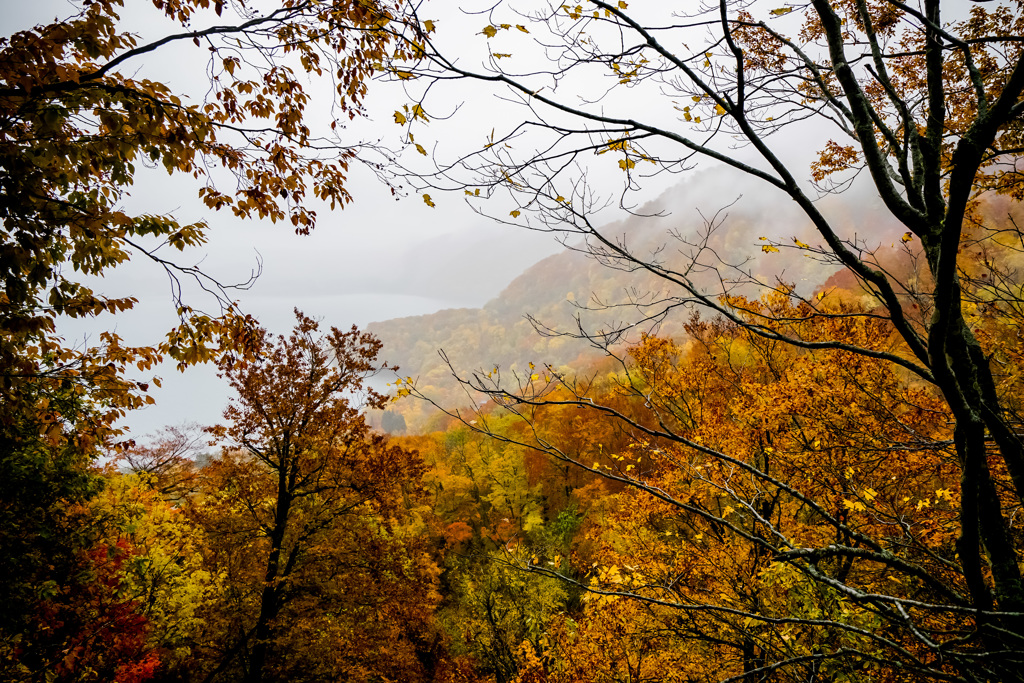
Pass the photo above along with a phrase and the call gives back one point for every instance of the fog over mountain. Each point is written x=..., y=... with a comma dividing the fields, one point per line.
x=571, y=290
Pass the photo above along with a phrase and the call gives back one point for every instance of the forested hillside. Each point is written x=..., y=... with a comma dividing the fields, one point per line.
x=534, y=319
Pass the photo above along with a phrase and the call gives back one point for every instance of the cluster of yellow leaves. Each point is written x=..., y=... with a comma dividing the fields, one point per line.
x=491, y=31
x=577, y=11
x=834, y=158
x=168, y=576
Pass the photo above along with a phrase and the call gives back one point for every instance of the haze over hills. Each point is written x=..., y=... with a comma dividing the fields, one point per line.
x=571, y=290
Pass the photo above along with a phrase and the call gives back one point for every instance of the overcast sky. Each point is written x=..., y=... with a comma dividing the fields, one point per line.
x=377, y=259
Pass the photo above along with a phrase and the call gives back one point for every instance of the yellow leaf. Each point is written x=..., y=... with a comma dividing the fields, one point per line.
x=418, y=113
x=767, y=248
x=521, y=28
x=534, y=377
x=907, y=237
x=428, y=26
x=801, y=244
x=719, y=109
x=419, y=148
x=696, y=98
x=626, y=164
x=622, y=4
x=781, y=11
x=490, y=31
x=515, y=213
x=559, y=198
x=696, y=119
x=428, y=201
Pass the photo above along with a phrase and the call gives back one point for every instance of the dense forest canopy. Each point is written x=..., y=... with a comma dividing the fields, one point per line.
x=754, y=481
x=928, y=105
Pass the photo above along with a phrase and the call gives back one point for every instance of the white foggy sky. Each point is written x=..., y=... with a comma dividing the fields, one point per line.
x=377, y=259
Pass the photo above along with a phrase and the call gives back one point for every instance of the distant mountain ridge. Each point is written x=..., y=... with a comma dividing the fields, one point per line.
x=558, y=289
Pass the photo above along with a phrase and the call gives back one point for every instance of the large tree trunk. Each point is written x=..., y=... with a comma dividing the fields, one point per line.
x=270, y=598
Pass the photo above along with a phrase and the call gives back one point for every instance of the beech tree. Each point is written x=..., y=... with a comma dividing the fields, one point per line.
x=924, y=100
x=303, y=514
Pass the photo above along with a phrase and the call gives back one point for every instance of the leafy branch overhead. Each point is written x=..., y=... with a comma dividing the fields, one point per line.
x=80, y=119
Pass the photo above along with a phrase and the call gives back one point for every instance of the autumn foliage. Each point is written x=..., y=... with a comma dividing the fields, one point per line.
x=744, y=502
x=782, y=483
x=307, y=518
